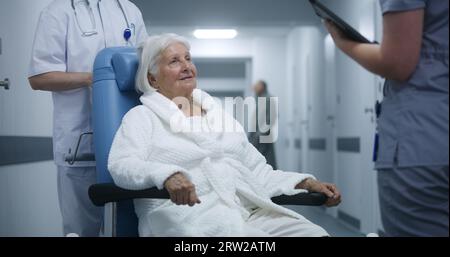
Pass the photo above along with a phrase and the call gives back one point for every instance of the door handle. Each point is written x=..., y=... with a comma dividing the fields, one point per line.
x=369, y=110
x=5, y=84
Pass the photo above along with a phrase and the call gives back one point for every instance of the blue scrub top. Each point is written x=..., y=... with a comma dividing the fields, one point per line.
x=414, y=121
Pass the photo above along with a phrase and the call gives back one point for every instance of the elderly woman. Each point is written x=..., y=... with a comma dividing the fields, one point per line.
x=219, y=184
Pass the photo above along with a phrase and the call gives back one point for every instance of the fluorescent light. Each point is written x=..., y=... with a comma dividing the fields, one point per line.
x=215, y=33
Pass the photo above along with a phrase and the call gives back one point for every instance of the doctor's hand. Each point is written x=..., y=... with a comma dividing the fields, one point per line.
x=181, y=190
x=330, y=190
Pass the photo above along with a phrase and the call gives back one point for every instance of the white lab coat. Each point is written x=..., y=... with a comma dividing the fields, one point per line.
x=229, y=174
x=60, y=46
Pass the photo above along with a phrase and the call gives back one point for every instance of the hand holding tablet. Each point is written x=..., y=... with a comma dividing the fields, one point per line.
x=323, y=12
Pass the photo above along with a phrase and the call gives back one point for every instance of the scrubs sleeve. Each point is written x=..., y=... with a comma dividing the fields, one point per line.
x=401, y=5
x=49, y=48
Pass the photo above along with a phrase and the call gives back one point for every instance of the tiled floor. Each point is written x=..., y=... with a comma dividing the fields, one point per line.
x=332, y=225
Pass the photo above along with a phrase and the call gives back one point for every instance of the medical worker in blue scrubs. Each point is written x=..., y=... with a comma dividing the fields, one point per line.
x=413, y=155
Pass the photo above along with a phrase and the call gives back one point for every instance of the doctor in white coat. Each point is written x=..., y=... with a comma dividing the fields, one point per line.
x=69, y=35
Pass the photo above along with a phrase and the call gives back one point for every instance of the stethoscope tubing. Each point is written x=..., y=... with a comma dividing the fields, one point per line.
x=127, y=31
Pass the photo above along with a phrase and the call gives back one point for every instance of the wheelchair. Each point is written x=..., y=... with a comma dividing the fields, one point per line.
x=113, y=95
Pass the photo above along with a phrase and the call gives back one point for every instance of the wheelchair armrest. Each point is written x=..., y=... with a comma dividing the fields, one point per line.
x=100, y=194
x=309, y=199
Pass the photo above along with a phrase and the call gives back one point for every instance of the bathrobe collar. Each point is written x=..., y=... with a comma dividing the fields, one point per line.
x=169, y=112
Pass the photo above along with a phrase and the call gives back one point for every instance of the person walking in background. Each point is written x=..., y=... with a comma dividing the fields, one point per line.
x=266, y=115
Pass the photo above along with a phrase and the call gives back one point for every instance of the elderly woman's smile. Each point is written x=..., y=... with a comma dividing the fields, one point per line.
x=188, y=77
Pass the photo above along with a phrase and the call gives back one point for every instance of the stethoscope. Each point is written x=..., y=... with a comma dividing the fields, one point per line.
x=126, y=33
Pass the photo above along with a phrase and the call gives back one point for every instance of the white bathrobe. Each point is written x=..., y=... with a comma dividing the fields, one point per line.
x=156, y=140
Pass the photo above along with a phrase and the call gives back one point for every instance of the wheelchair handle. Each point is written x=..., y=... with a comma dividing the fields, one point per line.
x=72, y=158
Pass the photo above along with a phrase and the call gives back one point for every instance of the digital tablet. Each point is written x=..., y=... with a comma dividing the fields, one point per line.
x=323, y=12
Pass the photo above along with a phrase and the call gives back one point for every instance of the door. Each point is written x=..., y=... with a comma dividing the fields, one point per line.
x=355, y=123
x=292, y=159
x=303, y=113
x=330, y=109
x=28, y=198
x=295, y=159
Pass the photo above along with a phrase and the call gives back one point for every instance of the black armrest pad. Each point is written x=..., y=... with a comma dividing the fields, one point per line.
x=310, y=199
x=100, y=194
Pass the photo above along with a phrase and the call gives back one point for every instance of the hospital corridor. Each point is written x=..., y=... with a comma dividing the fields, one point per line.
x=360, y=132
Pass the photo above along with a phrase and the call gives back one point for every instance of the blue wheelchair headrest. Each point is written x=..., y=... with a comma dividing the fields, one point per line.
x=125, y=67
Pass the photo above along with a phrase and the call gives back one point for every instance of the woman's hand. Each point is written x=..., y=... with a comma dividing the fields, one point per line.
x=181, y=190
x=338, y=36
x=330, y=190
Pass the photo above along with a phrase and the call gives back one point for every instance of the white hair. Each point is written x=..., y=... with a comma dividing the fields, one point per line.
x=149, y=54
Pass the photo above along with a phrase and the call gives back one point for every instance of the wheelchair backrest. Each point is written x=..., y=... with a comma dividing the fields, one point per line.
x=113, y=95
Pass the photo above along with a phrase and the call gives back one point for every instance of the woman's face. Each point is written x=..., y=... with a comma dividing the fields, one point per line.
x=177, y=74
